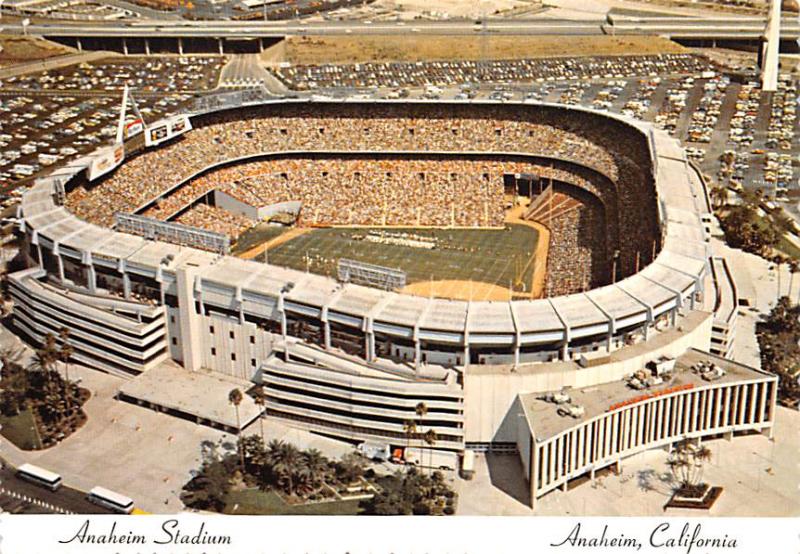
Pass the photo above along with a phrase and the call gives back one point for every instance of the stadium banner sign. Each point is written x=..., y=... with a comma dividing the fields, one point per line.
x=105, y=160
x=134, y=128
x=167, y=129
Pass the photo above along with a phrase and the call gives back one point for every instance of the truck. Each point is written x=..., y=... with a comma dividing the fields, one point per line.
x=425, y=457
x=377, y=451
x=467, y=465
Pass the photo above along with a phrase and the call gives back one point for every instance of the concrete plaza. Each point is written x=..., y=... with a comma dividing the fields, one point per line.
x=759, y=477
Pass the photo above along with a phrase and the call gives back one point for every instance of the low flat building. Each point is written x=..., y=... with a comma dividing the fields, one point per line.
x=618, y=421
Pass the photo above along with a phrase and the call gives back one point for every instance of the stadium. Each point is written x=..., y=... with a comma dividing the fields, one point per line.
x=470, y=256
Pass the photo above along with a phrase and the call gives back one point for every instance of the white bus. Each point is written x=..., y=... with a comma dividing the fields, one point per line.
x=39, y=476
x=111, y=500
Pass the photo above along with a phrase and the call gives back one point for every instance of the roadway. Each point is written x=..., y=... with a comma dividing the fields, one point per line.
x=19, y=496
x=687, y=27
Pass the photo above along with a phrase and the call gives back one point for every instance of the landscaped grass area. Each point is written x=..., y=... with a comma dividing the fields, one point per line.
x=21, y=430
x=258, y=502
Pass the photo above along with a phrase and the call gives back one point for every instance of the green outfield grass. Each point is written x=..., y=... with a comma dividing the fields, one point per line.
x=491, y=256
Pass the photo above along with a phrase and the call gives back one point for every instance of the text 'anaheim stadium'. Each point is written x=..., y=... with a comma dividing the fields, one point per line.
x=537, y=361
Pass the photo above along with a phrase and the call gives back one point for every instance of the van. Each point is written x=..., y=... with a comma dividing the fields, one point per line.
x=467, y=471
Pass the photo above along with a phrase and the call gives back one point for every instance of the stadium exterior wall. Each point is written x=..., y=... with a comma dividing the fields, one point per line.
x=490, y=391
x=225, y=314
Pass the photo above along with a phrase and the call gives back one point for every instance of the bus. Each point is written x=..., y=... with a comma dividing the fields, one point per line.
x=111, y=500
x=39, y=476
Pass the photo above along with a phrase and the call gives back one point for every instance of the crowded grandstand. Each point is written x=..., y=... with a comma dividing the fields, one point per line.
x=586, y=178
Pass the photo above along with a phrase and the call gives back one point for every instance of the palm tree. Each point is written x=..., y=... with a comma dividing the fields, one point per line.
x=235, y=397
x=430, y=439
x=421, y=410
x=287, y=462
x=779, y=260
x=260, y=399
x=314, y=468
x=794, y=266
x=410, y=429
x=64, y=354
x=686, y=463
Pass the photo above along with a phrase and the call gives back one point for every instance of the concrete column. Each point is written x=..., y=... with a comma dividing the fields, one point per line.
x=559, y=444
x=695, y=411
x=710, y=405
x=126, y=285
x=726, y=408
x=147, y=46
x=417, y=353
x=534, y=471
x=615, y=423
x=79, y=44
x=751, y=416
x=60, y=266
x=773, y=404
x=125, y=46
x=39, y=251
x=92, y=278
x=639, y=425
x=327, y=331
x=762, y=403
x=221, y=48
x=190, y=323
x=180, y=46
x=740, y=413
x=370, y=347
x=573, y=451
x=551, y=462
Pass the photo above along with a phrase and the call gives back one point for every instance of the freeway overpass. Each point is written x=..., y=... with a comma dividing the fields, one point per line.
x=145, y=36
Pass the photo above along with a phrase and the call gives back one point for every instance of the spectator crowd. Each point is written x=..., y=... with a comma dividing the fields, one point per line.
x=352, y=189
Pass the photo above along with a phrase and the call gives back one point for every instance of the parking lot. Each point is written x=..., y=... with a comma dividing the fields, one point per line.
x=50, y=117
x=739, y=136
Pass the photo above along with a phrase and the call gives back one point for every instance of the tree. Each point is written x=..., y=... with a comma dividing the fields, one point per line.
x=235, y=397
x=14, y=382
x=350, y=468
x=794, y=267
x=314, y=469
x=209, y=488
x=410, y=430
x=430, y=439
x=286, y=462
x=260, y=398
x=779, y=260
x=686, y=462
x=746, y=230
x=64, y=354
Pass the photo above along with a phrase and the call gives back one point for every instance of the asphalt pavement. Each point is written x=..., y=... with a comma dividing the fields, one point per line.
x=18, y=496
